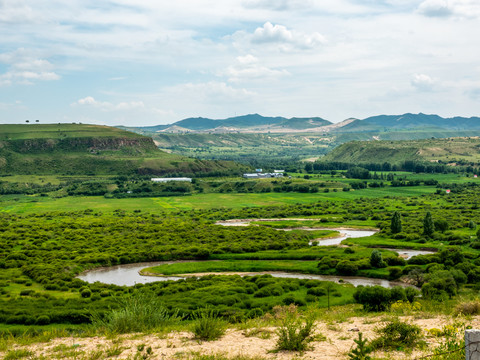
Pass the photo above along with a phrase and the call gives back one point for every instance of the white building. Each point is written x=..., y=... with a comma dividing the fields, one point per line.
x=171, y=179
x=262, y=175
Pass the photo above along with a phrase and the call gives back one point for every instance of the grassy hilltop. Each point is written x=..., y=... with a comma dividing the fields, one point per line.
x=451, y=150
x=91, y=149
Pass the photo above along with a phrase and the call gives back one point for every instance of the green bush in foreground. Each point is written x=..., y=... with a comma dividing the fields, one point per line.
x=294, y=333
x=397, y=335
x=208, y=326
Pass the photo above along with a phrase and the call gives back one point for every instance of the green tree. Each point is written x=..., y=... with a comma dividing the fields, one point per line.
x=396, y=225
x=428, y=226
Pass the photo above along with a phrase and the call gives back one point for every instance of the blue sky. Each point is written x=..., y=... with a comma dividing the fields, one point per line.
x=146, y=62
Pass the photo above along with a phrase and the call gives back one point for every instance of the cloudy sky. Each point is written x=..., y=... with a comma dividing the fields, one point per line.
x=147, y=62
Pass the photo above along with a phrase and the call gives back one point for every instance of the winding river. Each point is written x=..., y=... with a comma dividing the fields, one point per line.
x=128, y=275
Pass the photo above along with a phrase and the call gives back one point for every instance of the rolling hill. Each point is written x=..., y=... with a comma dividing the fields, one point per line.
x=448, y=151
x=245, y=123
x=90, y=150
x=412, y=122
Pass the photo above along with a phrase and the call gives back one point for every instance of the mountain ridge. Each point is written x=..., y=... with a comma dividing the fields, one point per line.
x=265, y=124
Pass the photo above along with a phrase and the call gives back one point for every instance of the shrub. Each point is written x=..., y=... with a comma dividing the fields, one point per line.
x=468, y=308
x=270, y=290
x=42, y=320
x=86, y=293
x=411, y=293
x=317, y=291
x=397, y=335
x=373, y=298
x=346, y=268
x=394, y=273
x=208, y=326
x=294, y=333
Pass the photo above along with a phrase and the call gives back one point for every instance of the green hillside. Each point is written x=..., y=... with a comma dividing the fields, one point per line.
x=449, y=151
x=71, y=149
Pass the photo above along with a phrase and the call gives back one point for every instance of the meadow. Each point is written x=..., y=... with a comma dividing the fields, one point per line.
x=30, y=204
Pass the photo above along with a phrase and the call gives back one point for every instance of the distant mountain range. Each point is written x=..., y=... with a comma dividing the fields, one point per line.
x=255, y=123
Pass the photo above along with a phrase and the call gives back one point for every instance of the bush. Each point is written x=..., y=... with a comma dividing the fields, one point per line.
x=86, y=293
x=317, y=291
x=373, y=298
x=394, y=273
x=294, y=334
x=346, y=268
x=397, y=335
x=42, y=320
x=208, y=326
x=468, y=308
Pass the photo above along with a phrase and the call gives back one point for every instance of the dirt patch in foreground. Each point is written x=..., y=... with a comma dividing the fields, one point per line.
x=254, y=342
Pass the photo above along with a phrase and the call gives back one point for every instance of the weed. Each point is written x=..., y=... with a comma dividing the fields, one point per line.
x=95, y=355
x=453, y=347
x=258, y=332
x=208, y=326
x=17, y=354
x=113, y=350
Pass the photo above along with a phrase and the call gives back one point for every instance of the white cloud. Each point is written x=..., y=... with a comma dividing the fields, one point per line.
x=446, y=8
x=435, y=8
x=277, y=5
x=248, y=68
x=212, y=91
x=14, y=11
x=107, y=106
x=422, y=82
x=287, y=39
x=24, y=67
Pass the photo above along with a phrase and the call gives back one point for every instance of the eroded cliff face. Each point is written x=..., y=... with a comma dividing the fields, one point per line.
x=83, y=144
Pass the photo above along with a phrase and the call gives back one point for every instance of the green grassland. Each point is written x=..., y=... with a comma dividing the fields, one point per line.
x=33, y=204
x=451, y=150
x=60, y=131
x=233, y=266
x=74, y=149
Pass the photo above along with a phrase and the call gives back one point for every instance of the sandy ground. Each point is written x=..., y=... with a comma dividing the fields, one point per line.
x=180, y=345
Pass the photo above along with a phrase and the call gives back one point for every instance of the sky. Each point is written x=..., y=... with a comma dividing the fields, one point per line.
x=150, y=62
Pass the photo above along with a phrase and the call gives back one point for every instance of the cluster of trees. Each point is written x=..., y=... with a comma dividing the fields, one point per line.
x=408, y=165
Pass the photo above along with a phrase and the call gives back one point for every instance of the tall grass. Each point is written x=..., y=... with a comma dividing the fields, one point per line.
x=136, y=313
